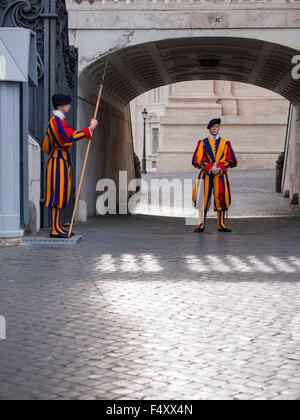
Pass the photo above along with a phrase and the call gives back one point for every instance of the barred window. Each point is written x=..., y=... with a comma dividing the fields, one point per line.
x=155, y=140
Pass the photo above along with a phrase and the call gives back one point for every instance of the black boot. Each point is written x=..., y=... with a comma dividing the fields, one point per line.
x=199, y=230
x=58, y=236
x=221, y=222
x=201, y=227
x=224, y=229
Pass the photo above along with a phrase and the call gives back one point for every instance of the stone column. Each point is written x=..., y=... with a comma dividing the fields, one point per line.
x=291, y=187
x=9, y=160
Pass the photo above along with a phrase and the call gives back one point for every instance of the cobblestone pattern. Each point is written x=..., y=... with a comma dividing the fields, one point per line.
x=130, y=313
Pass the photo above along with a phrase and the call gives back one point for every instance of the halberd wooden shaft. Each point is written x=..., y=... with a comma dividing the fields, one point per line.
x=84, y=164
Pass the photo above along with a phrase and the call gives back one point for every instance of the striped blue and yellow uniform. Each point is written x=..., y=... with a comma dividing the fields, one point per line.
x=208, y=153
x=57, y=142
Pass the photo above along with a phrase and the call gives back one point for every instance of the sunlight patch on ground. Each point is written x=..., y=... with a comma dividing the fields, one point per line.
x=148, y=263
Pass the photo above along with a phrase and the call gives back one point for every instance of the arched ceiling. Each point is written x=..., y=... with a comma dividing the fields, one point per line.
x=135, y=70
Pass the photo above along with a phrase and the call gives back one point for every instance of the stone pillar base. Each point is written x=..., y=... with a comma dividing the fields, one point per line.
x=10, y=241
x=11, y=234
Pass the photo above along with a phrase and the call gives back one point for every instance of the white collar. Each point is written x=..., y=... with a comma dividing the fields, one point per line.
x=212, y=137
x=59, y=114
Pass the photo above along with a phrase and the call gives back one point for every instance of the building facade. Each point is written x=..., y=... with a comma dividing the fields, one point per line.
x=253, y=118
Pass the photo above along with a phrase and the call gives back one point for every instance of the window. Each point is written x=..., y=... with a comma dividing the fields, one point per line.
x=157, y=96
x=170, y=90
x=155, y=140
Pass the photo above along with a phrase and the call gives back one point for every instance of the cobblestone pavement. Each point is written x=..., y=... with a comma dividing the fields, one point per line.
x=144, y=308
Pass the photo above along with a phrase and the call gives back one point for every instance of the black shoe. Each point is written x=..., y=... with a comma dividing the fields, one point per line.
x=58, y=236
x=224, y=230
x=66, y=236
x=199, y=230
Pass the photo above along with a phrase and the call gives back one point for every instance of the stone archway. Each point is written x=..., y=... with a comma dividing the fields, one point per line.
x=136, y=69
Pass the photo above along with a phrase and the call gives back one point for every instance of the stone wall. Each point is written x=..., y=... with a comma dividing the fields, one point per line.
x=291, y=185
x=34, y=175
x=111, y=150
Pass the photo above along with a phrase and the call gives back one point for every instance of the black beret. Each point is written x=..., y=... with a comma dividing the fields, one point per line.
x=60, y=99
x=213, y=122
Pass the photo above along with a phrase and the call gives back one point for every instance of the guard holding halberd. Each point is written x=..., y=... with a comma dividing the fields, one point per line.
x=57, y=142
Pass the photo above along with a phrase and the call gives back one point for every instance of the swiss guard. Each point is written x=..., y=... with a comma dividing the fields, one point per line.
x=57, y=143
x=213, y=155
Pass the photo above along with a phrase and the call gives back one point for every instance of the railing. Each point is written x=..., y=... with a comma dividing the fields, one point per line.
x=136, y=2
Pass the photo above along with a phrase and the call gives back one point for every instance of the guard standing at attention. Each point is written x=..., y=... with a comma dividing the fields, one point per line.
x=213, y=155
x=57, y=142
